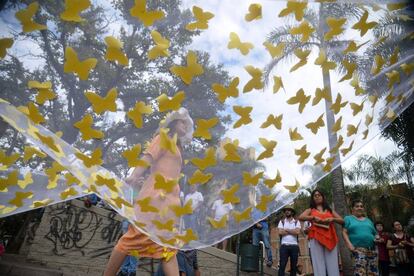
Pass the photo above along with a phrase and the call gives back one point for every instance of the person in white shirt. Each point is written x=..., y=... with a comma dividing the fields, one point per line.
x=196, y=201
x=219, y=210
x=289, y=229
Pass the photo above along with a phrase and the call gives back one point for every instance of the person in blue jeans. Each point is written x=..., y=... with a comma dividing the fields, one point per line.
x=261, y=233
x=129, y=266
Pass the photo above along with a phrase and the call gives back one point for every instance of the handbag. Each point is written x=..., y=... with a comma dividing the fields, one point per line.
x=400, y=256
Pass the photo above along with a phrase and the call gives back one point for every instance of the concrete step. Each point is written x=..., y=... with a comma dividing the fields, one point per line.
x=16, y=265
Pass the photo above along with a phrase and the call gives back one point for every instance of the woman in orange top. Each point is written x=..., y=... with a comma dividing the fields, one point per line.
x=322, y=235
x=169, y=165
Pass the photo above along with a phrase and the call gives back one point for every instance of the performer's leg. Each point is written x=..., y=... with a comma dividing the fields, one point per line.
x=114, y=263
x=171, y=267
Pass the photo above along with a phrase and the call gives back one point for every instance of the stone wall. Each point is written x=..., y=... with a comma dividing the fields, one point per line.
x=74, y=238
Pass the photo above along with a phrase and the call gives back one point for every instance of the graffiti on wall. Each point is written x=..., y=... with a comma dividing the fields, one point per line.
x=75, y=229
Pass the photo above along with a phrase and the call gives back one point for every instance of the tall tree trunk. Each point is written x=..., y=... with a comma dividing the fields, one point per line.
x=338, y=189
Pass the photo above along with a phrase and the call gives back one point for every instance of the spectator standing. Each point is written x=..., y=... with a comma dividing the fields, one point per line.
x=289, y=229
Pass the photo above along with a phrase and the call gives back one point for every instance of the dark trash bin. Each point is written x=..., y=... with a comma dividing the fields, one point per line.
x=249, y=255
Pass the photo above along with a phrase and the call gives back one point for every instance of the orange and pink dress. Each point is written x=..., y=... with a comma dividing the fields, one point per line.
x=168, y=165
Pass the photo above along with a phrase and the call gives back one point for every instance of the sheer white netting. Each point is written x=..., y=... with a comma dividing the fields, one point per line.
x=273, y=88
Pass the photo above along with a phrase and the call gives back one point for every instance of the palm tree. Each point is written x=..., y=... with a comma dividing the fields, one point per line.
x=333, y=49
x=373, y=177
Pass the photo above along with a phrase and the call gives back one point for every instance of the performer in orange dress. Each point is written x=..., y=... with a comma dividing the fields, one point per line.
x=169, y=165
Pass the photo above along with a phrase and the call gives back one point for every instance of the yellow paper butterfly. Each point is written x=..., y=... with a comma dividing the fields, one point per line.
x=275, y=51
x=302, y=153
x=25, y=16
x=226, y=92
x=114, y=51
x=356, y=108
x=350, y=69
x=229, y=194
x=94, y=160
x=294, y=188
x=49, y=141
x=278, y=83
x=140, y=12
x=135, y=114
x=120, y=201
x=41, y=203
x=203, y=127
x=145, y=205
x=368, y=120
x=303, y=58
x=345, y=151
x=202, y=19
x=264, y=201
x=19, y=197
x=407, y=68
x=45, y=95
x=73, y=8
x=231, y=152
x=337, y=125
x=379, y=62
x=321, y=94
x=244, y=113
x=339, y=144
x=105, y=181
x=304, y=29
x=74, y=65
x=362, y=25
x=276, y=121
x=300, y=98
x=168, y=143
x=27, y=180
x=102, y=104
x=5, y=43
x=294, y=135
x=85, y=128
x=132, y=157
x=255, y=12
x=208, y=161
x=11, y=180
x=161, y=46
x=8, y=160
x=187, y=73
x=338, y=104
x=256, y=81
x=221, y=223
x=352, y=129
x=272, y=182
x=184, y=210
x=393, y=78
x=244, y=215
x=235, y=43
x=67, y=193
x=188, y=236
x=322, y=61
x=29, y=152
x=161, y=183
x=353, y=47
x=199, y=177
x=318, y=157
x=71, y=180
x=269, y=146
x=34, y=114
x=335, y=27
x=296, y=8
x=253, y=180
x=314, y=126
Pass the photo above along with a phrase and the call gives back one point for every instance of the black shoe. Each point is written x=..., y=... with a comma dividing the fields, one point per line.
x=269, y=263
